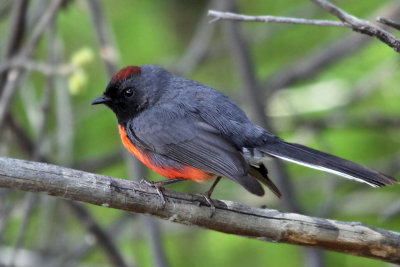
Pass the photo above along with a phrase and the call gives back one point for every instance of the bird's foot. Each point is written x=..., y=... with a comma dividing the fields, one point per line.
x=159, y=187
x=207, y=196
x=210, y=202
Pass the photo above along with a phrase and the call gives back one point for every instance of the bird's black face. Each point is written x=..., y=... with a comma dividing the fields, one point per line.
x=124, y=98
x=124, y=95
x=133, y=89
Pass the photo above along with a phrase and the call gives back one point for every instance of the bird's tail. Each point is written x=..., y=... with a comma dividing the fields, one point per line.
x=322, y=161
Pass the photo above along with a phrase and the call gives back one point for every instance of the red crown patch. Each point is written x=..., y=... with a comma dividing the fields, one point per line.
x=125, y=73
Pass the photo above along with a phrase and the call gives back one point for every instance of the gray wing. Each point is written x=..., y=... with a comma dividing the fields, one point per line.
x=187, y=139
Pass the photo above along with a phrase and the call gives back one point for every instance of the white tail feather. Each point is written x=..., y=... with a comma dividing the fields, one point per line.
x=323, y=169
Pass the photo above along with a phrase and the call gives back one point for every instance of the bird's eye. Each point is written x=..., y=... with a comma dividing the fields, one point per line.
x=128, y=92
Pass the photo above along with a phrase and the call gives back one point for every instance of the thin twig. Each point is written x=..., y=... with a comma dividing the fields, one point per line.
x=328, y=54
x=348, y=21
x=234, y=218
x=389, y=22
x=44, y=68
x=360, y=25
x=274, y=19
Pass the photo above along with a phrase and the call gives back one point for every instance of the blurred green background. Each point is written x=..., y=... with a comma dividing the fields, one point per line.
x=347, y=105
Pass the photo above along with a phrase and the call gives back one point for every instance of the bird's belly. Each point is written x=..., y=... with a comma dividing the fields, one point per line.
x=176, y=170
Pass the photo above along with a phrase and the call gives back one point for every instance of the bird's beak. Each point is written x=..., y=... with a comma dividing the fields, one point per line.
x=101, y=100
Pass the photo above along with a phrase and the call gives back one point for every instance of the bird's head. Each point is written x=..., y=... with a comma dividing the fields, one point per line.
x=133, y=89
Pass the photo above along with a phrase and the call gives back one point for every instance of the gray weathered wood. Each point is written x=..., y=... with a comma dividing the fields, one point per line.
x=230, y=217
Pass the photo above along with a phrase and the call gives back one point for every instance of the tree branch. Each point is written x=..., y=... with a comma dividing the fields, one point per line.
x=42, y=67
x=347, y=20
x=274, y=19
x=311, y=65
x=360, y=25
x=389, y=22
x=234, y=218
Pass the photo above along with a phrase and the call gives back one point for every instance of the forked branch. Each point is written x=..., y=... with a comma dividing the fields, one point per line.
x=347, y=20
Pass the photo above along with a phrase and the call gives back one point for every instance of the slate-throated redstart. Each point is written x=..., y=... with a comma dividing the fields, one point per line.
x=183, y=129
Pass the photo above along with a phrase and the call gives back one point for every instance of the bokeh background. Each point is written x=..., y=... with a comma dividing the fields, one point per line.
x=329, y=88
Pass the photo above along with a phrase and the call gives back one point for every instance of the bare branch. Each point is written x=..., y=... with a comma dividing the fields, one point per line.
x=348, y=21
x=389, y=22
x=274, y=19
x=42, y=67
x=360, y=25
x=310, y=66
x=234, y=218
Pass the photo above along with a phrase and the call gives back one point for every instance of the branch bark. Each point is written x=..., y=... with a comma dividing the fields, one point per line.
x=360, y=25
x=274, y=19
x=234, y=218
x=389, y=22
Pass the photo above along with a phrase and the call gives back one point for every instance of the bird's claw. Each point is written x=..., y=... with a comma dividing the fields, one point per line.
x=146, y=182
x=158, y=189
x=161, y=195
x=210, y=202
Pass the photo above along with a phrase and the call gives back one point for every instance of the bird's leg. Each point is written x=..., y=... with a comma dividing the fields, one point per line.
x=158, y=186
x=207, y=196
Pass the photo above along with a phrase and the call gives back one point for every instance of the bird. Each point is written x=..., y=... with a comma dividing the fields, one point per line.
x=186, y=130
